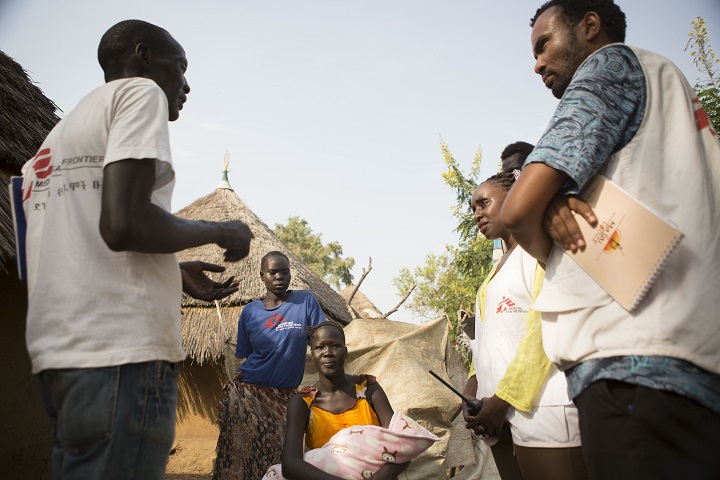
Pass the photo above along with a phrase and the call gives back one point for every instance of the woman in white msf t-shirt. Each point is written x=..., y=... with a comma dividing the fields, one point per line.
x=527, y=418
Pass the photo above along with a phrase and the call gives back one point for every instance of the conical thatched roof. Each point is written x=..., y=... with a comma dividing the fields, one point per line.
x=360, y=306
x=26, y=117
x=206, y=328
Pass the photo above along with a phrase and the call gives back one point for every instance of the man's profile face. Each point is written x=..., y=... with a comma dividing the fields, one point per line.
x=558, y=50
x=167, y=69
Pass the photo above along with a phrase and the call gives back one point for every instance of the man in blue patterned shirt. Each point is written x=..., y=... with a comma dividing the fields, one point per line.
x=646, y=382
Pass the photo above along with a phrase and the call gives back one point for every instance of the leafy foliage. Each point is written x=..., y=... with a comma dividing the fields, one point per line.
x=448, y=282
x=463, y=186
x=324, y=260
x=708, y=89
x=441, y=286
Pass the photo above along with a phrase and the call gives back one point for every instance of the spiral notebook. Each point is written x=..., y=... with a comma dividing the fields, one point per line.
x=19, y=224
x=626, y=250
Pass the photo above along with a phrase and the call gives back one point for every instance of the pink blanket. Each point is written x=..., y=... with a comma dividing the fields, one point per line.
x=358, y=452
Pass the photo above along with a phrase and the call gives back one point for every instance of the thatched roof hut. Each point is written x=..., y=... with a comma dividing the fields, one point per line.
x=26, y=117
x=207, y=328
x=360, y=305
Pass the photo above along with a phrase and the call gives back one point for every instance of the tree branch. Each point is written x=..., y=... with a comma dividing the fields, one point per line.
x=357, y=287
x=395, y=308
x=465, y=326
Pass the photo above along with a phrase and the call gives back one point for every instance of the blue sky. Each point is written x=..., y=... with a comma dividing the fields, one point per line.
x=333, y=110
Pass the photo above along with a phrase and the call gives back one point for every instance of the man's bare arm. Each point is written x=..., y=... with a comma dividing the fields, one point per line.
x=129, y=221
x=524, y=208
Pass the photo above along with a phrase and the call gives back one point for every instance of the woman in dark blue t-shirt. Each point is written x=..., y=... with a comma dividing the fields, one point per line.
x=272, y=341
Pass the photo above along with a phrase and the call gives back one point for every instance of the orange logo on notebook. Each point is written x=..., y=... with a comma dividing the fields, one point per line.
x=613, y=243
x=608, y=236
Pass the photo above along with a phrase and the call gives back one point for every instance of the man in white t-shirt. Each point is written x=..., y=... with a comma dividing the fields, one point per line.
x=104, y=285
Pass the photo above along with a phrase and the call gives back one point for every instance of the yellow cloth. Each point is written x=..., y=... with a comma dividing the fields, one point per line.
x=529, y=368
x=323, y=424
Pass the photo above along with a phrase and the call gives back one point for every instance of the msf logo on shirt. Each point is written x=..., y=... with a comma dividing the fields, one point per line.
x=504, y=305
x=42, y=165
x=701, y=118
x=274, y=321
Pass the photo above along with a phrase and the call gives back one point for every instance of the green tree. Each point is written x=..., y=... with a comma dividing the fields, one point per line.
x=447, y=283
x=707, y=89
x=324, y=260
x=443, y=286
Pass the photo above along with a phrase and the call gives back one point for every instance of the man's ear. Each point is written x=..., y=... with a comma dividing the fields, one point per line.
x=346, y=352
x=591, y=26
x=142, y=55
x=136, y=64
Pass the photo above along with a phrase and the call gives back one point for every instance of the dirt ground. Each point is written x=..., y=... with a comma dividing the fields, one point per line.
x=192, y=459
x=196, y=433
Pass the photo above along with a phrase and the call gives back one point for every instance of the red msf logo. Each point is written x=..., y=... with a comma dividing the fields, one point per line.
x=274, y=321
x=504, y=304
x=42, y=165
x=701, y=118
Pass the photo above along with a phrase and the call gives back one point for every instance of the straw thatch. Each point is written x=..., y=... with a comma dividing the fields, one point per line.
x=360, y=306
x=26, y=117
x=206, y=329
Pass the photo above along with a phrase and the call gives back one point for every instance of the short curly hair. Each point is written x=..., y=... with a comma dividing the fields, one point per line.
x=521, y=149
x=119, y=42
x=275, y=253
x=573, y=11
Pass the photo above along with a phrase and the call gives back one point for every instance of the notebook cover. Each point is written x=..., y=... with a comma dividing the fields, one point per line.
x=19, y=224
x=627, y=249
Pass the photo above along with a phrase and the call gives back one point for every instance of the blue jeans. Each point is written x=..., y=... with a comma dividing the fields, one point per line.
x=111, y=423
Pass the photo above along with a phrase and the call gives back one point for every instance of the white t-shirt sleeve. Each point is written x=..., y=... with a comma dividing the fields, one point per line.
x=138, y=124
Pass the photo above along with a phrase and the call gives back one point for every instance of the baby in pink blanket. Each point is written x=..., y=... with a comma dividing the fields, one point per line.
x=358, y=452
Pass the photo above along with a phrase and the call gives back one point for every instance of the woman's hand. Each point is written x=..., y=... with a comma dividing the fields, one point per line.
x=470, y=415
x=492, y=416
x=390, y=471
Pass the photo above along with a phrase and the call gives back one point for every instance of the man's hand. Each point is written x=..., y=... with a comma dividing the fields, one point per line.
x=237, y=240
x=196, y=284
x=559, y=221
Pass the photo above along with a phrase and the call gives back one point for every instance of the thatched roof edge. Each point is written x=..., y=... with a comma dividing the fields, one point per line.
x=26, y=117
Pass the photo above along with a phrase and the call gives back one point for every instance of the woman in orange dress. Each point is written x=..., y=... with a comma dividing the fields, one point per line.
x=336, y=401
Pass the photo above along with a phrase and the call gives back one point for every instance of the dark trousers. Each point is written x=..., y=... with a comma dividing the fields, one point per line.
x=633, y=432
